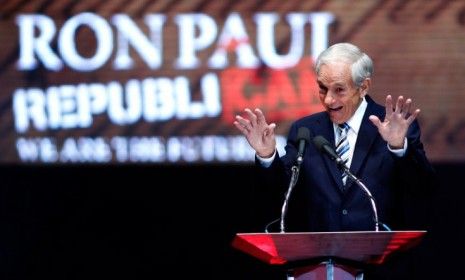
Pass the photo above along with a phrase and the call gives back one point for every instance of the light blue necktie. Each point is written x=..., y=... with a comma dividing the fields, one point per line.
x=342, y=147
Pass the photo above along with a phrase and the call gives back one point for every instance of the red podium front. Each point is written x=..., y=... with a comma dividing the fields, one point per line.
x=327, y=253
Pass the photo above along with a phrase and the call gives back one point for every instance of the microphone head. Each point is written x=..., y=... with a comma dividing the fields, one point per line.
x=303, y=134
x=320, y=142
x=325, y=147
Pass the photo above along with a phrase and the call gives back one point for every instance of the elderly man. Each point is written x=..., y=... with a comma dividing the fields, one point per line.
x=380, y=144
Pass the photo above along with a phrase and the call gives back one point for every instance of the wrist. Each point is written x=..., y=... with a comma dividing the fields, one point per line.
x=266, y=154
x=396, y=146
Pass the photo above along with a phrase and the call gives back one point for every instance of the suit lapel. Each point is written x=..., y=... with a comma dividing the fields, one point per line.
x=365, y=139
x=327, y=131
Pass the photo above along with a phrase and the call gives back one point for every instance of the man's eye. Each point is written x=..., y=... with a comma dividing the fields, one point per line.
x=340, y=91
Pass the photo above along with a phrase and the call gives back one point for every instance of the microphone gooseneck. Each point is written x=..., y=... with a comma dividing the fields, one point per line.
x=325, y=147
x=303, y=137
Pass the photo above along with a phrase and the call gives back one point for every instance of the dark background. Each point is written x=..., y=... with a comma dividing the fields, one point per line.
x=150, y=222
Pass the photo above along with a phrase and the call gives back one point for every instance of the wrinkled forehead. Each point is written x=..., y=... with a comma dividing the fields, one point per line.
x=334, y=73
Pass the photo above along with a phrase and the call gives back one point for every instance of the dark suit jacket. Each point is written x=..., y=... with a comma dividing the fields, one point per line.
x=318, y=203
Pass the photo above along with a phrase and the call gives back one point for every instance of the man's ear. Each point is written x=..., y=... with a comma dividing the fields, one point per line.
x=366, y=84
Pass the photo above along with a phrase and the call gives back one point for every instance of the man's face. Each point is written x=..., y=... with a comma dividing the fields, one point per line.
x=338, y=93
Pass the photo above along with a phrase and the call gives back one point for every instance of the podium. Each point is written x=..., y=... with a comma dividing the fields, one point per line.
x=326, y=255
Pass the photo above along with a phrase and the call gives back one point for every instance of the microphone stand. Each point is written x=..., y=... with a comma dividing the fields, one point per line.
x=340, y=163
x=325, y=147
x=294, y=177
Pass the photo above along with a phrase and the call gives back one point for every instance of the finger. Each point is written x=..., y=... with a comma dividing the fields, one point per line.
x=270, y=129
x=252, y=117
x=245, y=123
x=407, y=107
x=260, y=116
x=399, y=105
x=240, y=127
x=413, y=116
x=389, y=109
x=375, y=120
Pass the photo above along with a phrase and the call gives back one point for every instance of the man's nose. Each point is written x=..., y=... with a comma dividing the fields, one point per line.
x=329, y=98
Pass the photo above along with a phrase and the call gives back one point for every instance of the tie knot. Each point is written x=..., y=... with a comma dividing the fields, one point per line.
x=344, y=126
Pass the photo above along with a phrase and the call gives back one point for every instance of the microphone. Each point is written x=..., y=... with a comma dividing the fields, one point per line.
x=325, y=147
x=303, y=136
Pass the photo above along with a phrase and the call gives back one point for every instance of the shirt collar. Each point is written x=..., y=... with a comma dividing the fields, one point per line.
x=356, y=120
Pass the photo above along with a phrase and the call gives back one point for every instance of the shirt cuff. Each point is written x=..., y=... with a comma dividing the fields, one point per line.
x=266, y=162
x=399, y=152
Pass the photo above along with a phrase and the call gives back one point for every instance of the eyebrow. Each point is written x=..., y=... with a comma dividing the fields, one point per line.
x=337, y=84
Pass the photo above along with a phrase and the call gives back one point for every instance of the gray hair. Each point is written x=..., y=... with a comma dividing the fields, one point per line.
x=361, y=63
